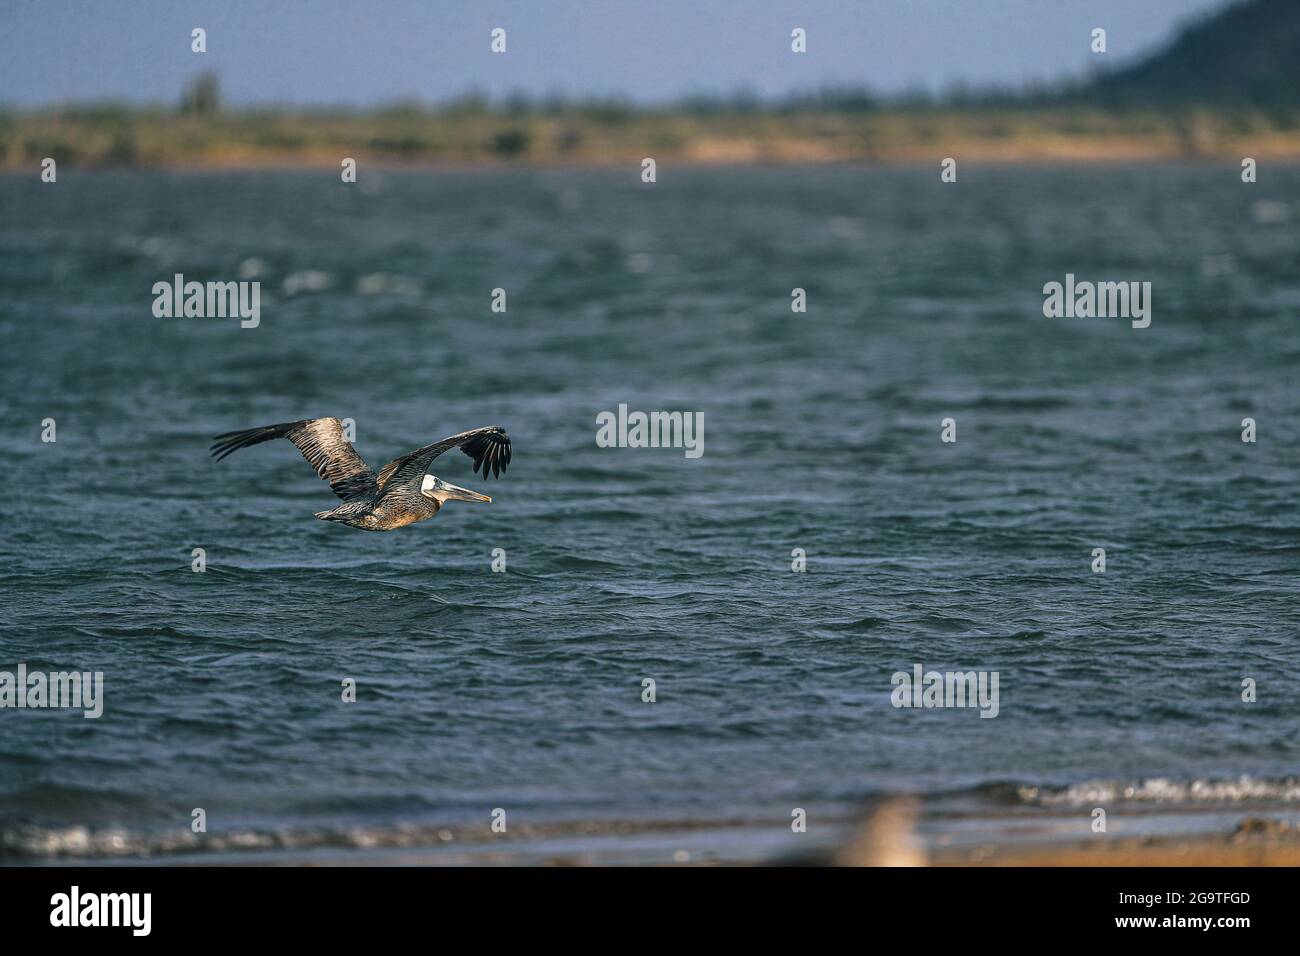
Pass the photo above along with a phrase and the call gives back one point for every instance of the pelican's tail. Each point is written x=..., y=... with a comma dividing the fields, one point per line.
x=350, y=513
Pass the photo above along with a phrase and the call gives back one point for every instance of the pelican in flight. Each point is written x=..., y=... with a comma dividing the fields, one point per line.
x=401, y=494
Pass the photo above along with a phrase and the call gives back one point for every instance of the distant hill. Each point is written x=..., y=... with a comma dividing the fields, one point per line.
x=1245, y=55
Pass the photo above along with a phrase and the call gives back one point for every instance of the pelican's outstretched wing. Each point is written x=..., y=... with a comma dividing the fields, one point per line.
x=321, y=442
x=489, y=447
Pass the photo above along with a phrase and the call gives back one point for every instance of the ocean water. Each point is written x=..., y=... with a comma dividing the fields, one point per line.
x=521, y=690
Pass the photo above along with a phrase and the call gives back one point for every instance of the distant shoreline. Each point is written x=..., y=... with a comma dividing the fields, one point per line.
x=381, y=166
x=113, y=137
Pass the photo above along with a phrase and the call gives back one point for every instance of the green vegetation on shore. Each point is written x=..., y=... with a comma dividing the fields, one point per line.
x=472, y=132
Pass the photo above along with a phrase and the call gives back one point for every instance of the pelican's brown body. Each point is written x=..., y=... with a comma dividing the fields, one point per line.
x=402, y=493
x=385, y=517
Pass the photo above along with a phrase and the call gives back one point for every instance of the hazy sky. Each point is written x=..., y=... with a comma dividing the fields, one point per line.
x=367, y=51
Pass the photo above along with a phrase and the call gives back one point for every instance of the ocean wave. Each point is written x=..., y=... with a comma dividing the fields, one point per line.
x=1161, y=790
x=40, y=844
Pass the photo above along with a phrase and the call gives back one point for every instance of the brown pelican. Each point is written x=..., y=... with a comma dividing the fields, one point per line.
x=401, y=494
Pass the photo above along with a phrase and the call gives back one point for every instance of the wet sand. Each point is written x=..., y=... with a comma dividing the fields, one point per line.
x=894, y=834
x=890, y=836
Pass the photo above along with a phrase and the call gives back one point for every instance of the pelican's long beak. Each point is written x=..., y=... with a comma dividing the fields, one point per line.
x=448, y=492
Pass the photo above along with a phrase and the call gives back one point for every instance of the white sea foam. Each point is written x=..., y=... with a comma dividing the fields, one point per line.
x=1162, y=790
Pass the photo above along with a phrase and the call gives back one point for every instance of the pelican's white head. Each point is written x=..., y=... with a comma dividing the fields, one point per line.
x=442, y=492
